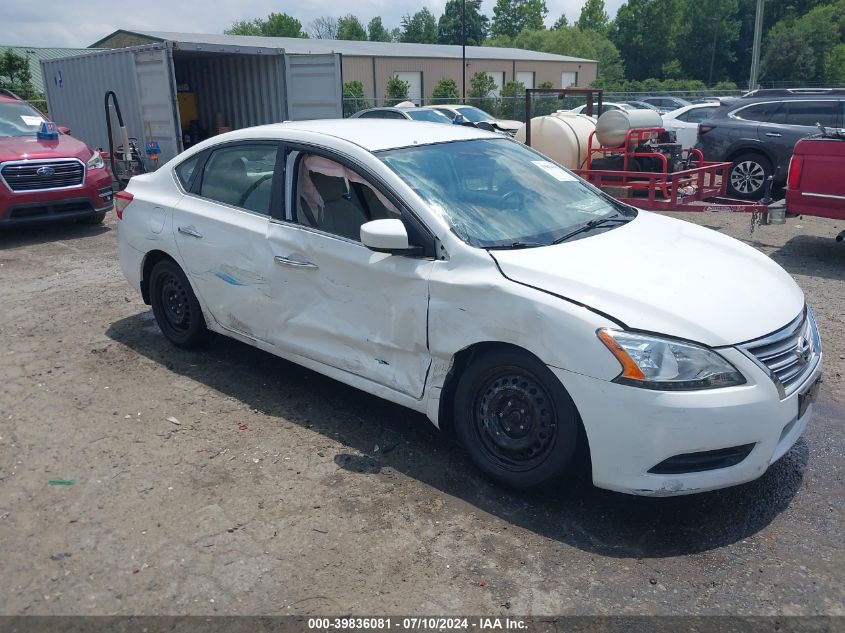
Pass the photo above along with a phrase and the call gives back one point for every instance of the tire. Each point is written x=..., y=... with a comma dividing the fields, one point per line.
x=747, y=177
x=97, y=218
x=500, y=394
x=175, y=306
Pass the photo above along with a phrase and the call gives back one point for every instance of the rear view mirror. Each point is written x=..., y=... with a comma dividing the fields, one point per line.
x=385, y=236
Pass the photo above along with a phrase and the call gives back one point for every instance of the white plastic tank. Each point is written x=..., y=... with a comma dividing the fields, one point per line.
x=613, y=125
x=562, y=136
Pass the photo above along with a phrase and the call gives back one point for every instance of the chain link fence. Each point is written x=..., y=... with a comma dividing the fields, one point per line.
x=513, y=108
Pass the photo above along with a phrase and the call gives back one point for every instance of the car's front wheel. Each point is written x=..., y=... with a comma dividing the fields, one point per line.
x=175, y=305
x=747, y=177
x=515, y=419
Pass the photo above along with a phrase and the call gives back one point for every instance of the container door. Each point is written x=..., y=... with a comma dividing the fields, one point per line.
x=157, y=94
x=314, y=89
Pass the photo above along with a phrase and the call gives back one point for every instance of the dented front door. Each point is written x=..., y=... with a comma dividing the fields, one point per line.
x=346, y=306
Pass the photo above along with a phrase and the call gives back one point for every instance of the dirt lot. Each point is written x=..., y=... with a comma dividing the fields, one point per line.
x=283, y=492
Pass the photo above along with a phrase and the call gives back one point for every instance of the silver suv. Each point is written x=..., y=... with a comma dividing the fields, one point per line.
x=758, y=132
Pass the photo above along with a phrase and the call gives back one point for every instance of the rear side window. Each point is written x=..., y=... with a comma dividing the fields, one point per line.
x=761, y=112
x=696, y=115
x=185, y=170
x=241, y=176
x=807, y=113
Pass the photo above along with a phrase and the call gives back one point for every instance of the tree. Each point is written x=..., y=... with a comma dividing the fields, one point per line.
x=16, y=76
x=376, y=31
x=445, y=90
x=834, y=65
x=645, y=55
x=395, y=34
x=353, y=98
x=480, y=86
x=245, y=27
x=275, y=25
x=798, y=49
x=449, y=24
x=512, y=16
x=571, y=40
x=709, y=31
x=323, y=28
x=593, y=17
x=349, y=27
x=420, y=27
x=396, y=91
x=561, y=22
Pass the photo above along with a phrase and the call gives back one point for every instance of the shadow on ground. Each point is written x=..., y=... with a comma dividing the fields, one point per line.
x=577, y=514
x=28, y=234
x=812, y=255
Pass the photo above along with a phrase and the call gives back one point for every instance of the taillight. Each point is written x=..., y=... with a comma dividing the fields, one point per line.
x=796, y=165
x=121, y=201
x=704, y=129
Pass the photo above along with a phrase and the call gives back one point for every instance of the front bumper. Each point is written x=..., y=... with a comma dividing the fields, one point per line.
x=94, y=196
x=631, y=430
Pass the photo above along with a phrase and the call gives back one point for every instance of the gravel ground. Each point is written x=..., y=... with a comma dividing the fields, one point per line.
x=228, y=481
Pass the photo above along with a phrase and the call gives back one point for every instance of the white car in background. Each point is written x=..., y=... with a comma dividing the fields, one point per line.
x=467, y=277
x=476, y=116
x=684, y=121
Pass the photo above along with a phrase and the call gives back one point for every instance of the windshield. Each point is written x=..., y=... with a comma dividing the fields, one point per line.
x=500, y=194
x=19, y=119
x=474, y=115
x=428, y=115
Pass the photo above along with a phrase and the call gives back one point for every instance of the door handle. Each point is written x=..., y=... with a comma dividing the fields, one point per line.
x=294, y=263
x=189, y=230
x=774, y=134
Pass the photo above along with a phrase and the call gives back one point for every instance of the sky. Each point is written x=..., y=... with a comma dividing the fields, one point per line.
x=80, y=23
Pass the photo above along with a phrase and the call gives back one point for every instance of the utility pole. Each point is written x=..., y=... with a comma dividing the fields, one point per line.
x=755, y=51
x=718, y=22
x=463, y=51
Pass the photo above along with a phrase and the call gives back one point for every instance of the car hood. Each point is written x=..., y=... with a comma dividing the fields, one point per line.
x=29, y=147
x=667, y=276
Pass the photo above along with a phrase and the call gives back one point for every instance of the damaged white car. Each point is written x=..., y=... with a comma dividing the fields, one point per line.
x=465, y=276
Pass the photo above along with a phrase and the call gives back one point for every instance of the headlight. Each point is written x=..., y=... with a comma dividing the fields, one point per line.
x=666, y=364
x=96, y=161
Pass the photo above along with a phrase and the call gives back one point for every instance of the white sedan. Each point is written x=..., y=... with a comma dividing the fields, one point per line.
x=467, y=277
x=605, y=106
x=684, y=121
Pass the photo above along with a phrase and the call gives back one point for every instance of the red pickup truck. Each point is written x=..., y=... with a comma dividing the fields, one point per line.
x=47, y=176
x=816, y=180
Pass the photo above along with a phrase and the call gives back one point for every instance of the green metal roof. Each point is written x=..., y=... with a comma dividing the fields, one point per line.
x=35, y=54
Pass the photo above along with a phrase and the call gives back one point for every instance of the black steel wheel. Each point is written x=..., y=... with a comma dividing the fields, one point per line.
x=747, y=177
x=515, y=419
x=175, y=306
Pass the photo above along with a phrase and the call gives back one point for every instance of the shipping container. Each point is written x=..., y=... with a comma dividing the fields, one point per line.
x=176, y=94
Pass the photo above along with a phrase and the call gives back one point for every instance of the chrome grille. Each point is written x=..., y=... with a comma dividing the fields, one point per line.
x=791, y=354
x=35, y=175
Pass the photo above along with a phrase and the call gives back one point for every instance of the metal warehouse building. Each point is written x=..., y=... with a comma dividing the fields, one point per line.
x=421, y=65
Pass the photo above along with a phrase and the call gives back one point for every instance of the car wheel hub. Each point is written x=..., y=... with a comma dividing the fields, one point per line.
x=747, y=176
x=515, y=420
x=177, y=309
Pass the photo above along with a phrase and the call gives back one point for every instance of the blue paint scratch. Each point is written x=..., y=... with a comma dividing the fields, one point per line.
x=228, y=279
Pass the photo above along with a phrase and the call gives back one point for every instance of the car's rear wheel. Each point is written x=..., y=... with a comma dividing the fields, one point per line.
x=747, y=177
x=175, y=305
x=515, y=419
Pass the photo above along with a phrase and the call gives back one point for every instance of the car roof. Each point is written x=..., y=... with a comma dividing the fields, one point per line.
x=373, y=134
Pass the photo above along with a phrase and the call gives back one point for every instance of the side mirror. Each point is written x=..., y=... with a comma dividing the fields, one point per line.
x=64, y=130
x=385, y=236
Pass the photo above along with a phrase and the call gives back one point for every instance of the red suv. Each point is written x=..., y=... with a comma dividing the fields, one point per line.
x=45, y=175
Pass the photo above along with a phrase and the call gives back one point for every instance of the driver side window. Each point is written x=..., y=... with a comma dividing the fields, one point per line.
x=336, y=199
x=241, y=176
